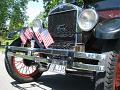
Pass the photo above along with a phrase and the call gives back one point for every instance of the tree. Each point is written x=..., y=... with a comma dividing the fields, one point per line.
x=13, y=11
x=5, y=12
x=18, y=16
x=49, y=4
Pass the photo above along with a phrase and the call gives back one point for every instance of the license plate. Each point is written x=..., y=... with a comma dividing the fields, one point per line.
x=57, y=68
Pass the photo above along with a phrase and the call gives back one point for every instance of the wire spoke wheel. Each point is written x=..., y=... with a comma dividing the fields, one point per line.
x=22, y=69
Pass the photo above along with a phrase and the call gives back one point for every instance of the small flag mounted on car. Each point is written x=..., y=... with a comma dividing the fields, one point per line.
x=28, y=33
x=46, y=37
x=41, y=34
x=37, y=34
x=23, y=37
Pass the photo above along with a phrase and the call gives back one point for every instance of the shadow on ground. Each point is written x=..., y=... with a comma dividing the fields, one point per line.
x=57, y=82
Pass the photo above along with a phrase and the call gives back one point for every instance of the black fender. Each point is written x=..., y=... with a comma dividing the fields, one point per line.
x=13, y=33
x=109, y=29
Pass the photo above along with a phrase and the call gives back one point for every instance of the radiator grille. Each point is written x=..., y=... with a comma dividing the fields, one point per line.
x=62, y=24
x=62, y=27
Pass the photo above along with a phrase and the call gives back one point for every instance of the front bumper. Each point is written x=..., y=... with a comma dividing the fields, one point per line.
x=63, y=53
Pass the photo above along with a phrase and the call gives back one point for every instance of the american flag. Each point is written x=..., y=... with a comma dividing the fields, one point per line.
x=37, y=34
x=41, y=34
x=46, y=37
x=28, y=33
x=23, y=37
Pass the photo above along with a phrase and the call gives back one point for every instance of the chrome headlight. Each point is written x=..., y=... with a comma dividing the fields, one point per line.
x=87, y=19
x=37, y=23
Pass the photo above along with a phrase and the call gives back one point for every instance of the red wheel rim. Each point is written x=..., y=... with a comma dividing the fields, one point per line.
x=117, y=74
x=22, y=69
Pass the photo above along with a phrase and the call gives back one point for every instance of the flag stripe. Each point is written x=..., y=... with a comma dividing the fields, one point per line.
x=22, y=37
x=38, y=36
x=46, y=38
x=28, y=33
x=42, y=36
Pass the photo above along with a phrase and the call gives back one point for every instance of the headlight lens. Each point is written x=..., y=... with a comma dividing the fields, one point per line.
x=87, y=19
x=37, y=23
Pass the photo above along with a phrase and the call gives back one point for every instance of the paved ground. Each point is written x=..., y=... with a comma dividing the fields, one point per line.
x=48, y=81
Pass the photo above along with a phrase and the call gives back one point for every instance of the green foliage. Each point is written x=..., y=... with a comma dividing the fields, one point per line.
x=13, y=11
x=48, y=5
x=80, y=2
x=18, y=16
x=4, y=11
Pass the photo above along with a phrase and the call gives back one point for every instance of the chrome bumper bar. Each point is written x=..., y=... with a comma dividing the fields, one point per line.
x=61, y=52
x=89, y=67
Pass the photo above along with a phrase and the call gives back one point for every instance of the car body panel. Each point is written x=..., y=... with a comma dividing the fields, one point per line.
x=109, y=29
x=109, y=21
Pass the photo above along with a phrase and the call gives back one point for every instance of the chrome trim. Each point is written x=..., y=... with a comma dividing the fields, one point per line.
x=89, y=67
x=62, y=12
x=93, y=56
x=60, y=52
x=97, y=18
x=35, y=58
x=75, y=66
x=63, y=4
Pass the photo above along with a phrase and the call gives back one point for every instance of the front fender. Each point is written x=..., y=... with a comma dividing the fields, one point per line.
x=13, y=33
x=109, y=29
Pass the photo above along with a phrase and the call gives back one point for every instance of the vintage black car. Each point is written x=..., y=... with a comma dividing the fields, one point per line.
x=86, y=42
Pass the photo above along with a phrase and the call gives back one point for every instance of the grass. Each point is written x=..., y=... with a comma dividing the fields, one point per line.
x=4, y=41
